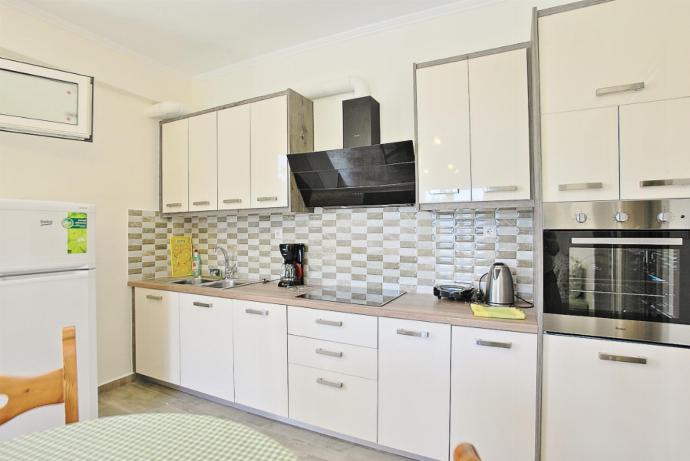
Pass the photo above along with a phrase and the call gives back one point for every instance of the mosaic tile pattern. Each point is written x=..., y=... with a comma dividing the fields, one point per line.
x=374, y=248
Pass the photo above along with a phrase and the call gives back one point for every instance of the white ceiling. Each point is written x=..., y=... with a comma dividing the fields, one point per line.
x=197, y=36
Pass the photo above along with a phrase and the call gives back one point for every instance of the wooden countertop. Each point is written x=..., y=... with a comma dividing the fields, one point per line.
x=411, y=306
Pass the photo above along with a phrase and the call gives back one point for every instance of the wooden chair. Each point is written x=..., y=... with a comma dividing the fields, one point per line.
x=465, y=452
x=57, y=386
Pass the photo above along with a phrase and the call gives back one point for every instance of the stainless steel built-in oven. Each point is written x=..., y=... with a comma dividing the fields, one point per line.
x=618, y=270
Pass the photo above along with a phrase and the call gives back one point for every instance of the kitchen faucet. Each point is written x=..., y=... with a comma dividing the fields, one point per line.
x=230, y=270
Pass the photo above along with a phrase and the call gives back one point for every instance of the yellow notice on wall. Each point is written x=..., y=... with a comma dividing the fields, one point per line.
x=180, y=255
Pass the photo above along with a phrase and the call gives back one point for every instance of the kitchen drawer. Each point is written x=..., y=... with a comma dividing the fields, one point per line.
x=333, y=401
x=360, y=330
x=337, y=357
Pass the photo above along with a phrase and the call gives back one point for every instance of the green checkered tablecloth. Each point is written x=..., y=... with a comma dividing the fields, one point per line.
x=147, y=437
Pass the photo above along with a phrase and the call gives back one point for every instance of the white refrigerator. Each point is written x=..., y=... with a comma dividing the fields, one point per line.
x=47, y=282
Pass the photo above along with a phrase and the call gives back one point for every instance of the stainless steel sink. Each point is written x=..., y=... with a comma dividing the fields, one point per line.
x=216, y=283
x=193, y=281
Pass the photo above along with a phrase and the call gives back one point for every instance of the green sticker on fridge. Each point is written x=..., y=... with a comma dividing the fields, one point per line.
x=75, y=223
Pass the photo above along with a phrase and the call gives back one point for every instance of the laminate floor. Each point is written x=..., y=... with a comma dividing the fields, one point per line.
x=143, y=396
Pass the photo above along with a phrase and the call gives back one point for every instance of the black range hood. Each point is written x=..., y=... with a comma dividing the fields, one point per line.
x=357, y=175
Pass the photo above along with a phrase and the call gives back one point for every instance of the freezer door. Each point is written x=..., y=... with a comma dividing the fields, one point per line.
x=46, y=236
x=33, y=311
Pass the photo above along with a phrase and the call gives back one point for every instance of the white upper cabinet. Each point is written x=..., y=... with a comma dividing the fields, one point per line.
x=580, y=155
x=234, y=150
x=655, y=150
x=175, y=166
x=614, y=53
x=269, y=149
x=443, y=133
x=499, y=121
x=203, y=163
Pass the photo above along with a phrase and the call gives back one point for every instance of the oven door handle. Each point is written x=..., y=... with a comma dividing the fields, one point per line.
x=644, y=241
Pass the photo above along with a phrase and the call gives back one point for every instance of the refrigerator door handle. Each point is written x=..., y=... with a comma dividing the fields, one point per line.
x=46, y=276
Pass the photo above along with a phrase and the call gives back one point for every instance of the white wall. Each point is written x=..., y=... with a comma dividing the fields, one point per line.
x=119, y=170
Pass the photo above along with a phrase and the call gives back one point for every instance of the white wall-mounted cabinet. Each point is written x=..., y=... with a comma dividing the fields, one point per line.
x=614, y=400
x=203, y=163
x=157, y=323
x=473, y=129
x=206, y=345
x=234, y=162
x=175, y=166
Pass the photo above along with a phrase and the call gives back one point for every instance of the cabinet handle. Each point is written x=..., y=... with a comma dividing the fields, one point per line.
x=173, y=205
x=271, y=198
x=665, y=182
x=256, y=311
x=622, y=358
x=418, y=334
x=199, y=304
x=326, y=382
x=203, y=202
x=330, y=323
x=637, y=86
x=487, y=343
x=232, y=200
x=580, y=186
x=500, y=189
x=329, y=353
x=443, y=191
x=154, y=297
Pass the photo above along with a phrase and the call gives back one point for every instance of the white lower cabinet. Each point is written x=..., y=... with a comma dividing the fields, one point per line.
x=614, y=400
x=206, y=355
x=493, y=393
x=414, y=386
x=260, y=336
x=157, y=334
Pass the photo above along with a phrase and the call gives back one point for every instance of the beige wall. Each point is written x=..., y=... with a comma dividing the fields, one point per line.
x=119, y=170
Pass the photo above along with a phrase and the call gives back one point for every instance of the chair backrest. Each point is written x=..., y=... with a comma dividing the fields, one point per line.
x=465, y=452
x=57, y=386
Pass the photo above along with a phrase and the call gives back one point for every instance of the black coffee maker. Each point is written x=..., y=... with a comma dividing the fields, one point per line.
x=293, y=269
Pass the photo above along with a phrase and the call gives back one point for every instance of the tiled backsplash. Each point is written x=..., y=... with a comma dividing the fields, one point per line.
x=368, y=247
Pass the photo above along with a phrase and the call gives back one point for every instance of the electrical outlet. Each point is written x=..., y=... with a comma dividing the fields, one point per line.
x=490, y=231
x=278, y=234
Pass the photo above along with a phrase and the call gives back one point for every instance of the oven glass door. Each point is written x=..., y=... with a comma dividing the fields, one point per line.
x=631, y=275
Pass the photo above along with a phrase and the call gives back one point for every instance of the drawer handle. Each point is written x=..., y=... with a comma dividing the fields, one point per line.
x=443, y=191
x=232, y=200
x=173, y=205
x=605, y=91
x=329, y=353
x=326, y=382
x=203, y=202
x=154, y=297
x=665, y=182
x=487, y=343
x=330, y=323
x=271, y=198
x=418, y=334
x=199, y=304
x=500, y=189
x=256, y=311
x=622, y=358
x=580, y=186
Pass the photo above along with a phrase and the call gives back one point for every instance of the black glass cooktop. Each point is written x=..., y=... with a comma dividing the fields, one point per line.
x=351, y=295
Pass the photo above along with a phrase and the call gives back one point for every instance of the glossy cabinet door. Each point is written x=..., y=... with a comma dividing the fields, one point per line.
x=203, y=163
x=655, y=150
x=175, y=166
x=414, y=386
x=494, y=392
x=580, y=155
x=157, y=326
x=269, y=149
x=206, y=346
x=499, y=121
x=614, y=400
x=260, y=335
x=632, y=51
x=234, y=163
x=443, y=133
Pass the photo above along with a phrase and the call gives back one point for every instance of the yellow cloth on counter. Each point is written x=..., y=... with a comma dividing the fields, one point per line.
x=497, y=312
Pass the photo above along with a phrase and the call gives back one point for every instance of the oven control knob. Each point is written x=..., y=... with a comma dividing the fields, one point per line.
x=621, y=216
x=664, y=216
x=581, y=217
